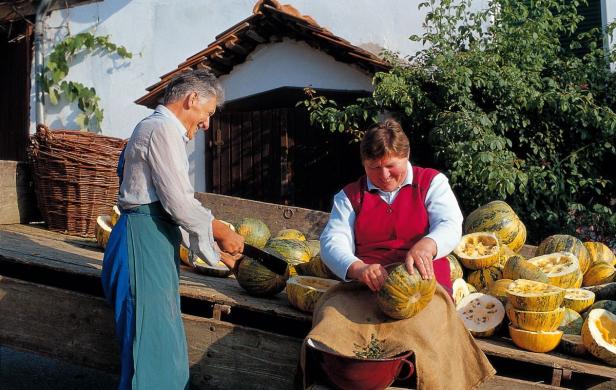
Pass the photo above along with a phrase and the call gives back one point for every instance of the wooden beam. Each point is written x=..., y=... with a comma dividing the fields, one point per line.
x=252, y=34
x=79, y=328
x=17, y=200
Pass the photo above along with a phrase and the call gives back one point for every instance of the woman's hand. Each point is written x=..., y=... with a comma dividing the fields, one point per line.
x=372, y=275
x=228, y=240
x=231, y=261
x=421, y=255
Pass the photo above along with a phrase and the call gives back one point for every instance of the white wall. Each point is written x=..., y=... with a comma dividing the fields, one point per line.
x=163, y=33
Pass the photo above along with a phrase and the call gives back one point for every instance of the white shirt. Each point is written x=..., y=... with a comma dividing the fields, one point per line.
x=444, y=217
x=156, y=169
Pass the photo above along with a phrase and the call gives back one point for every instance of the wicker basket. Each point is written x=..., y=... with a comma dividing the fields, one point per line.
x=75, y=177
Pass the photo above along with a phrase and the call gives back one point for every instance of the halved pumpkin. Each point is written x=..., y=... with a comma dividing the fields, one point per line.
x=460, y=290
x=498, y=289
x=478, y=250
x=497, y=217
x=315, y=267
x=534, y=296
x=606, y=304
x=546, y=321
x=102, y=230
x=303, y=292
x=481, y=313
x=573, y=345
x=257, y=280
x=535, y=341
x=599, y=335
x=561, y=268
x=455, y=269
x=404, y=295
x=578, y=299
x=115, y=214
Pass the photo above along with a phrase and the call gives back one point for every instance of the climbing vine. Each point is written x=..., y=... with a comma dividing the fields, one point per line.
x=57, y=67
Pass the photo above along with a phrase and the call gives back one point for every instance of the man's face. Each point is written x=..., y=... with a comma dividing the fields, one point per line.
x=201, y=109
x=386, y=173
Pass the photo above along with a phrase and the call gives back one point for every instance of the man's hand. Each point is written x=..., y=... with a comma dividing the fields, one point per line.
x=372, y=275
x=421, y=255
x=228, y=240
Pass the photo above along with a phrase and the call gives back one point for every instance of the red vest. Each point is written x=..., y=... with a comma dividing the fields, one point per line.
x=385, y=233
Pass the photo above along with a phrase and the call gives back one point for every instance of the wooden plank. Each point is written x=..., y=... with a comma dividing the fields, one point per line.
x=79, y=328
x=498, y=383
x=504, y=349
x=277, y=217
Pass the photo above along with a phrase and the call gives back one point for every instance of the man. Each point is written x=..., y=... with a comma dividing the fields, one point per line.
x=140, y=267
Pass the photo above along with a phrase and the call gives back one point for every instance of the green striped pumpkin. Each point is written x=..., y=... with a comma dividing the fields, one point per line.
x=565, y=243
x=600, y=253
x=482, y=279
x=315, y=267
x=257, y=280
x=404, y=295
x=572, y=322
x=534, y=296
x=517, y=267
x=497, y=217
x=597, y=274
x=544, y=321
x=254, y=231
x=290, y=234
x=293, y=251
x=455, y=268
x=604, y=304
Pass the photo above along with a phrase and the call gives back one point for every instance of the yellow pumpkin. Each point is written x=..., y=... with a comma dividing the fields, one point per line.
x=460, y=290
x=534, y=296
x=303, y=292
x=535, y=341
x=403, y=295
x=478, y=250
x=561, y=268
x=599, y=335
x=102, y=230
x=565, y=243
x=498, y=289
x=115, y=214
x=546, y=321
x=600, y=253
x=314, y=267
x=290, y=234
x=517, y=267
x=599, y=273
x=578, y=299
x=484, y=278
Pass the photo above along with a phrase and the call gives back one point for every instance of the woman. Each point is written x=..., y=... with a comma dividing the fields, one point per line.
x=395, y=213
x=140, y=268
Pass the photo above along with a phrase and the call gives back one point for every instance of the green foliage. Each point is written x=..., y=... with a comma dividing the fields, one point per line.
x=498, y=102
x=57, y=67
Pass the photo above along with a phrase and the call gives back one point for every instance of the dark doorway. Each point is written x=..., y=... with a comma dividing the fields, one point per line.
x=16, y=54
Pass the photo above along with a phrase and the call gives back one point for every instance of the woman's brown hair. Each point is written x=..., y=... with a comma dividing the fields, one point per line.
x=385, y=138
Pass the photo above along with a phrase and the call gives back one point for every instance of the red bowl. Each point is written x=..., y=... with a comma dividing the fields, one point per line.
x=350, y=373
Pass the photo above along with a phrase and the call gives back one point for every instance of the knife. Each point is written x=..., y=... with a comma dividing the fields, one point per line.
x=270, y=261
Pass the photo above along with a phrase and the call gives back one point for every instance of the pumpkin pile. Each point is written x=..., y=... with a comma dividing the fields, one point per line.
x=547, y=297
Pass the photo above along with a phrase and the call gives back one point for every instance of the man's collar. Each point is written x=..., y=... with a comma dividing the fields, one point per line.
x=408, y=180
x=167, y=113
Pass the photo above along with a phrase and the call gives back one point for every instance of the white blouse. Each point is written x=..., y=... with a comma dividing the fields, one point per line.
x=156, y=169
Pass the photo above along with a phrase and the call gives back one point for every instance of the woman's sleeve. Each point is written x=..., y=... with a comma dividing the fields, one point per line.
x=167, y=159
x=337, y=239
x=444, y=215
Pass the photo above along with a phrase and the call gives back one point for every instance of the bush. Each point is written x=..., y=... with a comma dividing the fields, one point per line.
x=506, y=110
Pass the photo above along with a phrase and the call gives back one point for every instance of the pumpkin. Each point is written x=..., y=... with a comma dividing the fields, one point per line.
x=478, y=250
x=220, y=270
x=600, y=253
x=498, y=289
x=315, y=267
x=578, y=299
x=579, y=280
x=257, y=280
x=599, y=335
x=481, y=313
x=303, y=292
x=546, y=321
x=460, y=290
x=535, y=341
x=290, y=234
x=517, y=267
x=572, y=322
x=102, y=230
x=534, y=296
x=497, y=217
x=599, y=273
x=471, y=288
x=115, y=214
x=315, y=247
x=254, y=231
x=561, y=268
x=403, y=295
x=605, y=304
x=505, y=254
x=455, y=268
x=572, y=344
x=565, y=243
x=484, y=278
x=293, y=251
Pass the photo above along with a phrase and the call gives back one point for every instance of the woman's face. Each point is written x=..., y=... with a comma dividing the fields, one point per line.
x=388, y=172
